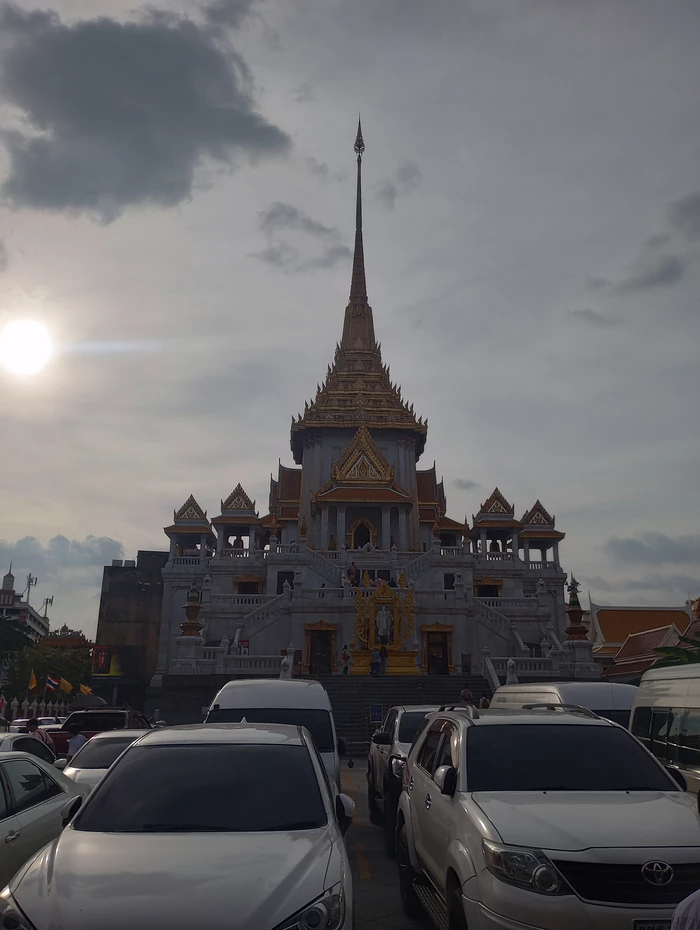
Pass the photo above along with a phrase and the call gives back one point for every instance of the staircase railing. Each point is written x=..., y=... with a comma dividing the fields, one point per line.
x=264, y=612
x=497, y=622
x=331, y=571
x=413, y=570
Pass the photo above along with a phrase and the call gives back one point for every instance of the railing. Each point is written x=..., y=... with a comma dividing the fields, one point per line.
x=188, y=560
x=540, y=566
x=241, y=600
x=414, y=569
x=264, y=612
x=452, y=550
x=539, y=666
x=230, y=553
x=21, y=710
x=436, y=596
x=253, y=665
x=332, y=554
x=323, y=566
x=503, y=603
x=497, y=622
x=332, y=593
x=494, y=556
x=288, y=549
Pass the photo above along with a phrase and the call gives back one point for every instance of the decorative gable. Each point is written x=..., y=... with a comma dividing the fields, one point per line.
x=362, y=462
x=497, y=504
x=190, y=512
x=538, y=516
x=237, y=500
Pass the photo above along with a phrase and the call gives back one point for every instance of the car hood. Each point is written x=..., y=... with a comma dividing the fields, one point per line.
x=569, y=820
x=225, y=881
x=88, y=777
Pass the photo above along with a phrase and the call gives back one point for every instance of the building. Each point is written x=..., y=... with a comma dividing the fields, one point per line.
x=612, y=628
x=128, y=626
x=355, y=547
x=65, y=638
x=12, y=606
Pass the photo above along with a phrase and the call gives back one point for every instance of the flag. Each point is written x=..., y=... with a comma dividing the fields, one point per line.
x=32, y=681
x=52, y=683
x=65, y=686
x=85, y=690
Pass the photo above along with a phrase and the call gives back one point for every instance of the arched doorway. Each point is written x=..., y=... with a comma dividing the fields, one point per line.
x=362, y=532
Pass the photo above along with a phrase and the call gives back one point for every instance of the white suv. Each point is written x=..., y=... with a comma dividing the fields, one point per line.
x=542, y=819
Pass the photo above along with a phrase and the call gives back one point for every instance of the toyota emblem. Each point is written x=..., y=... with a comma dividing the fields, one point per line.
x=657, y=873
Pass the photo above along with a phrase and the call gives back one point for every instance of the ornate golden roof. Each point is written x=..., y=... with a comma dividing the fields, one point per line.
x=237, y=500
x=358, y=390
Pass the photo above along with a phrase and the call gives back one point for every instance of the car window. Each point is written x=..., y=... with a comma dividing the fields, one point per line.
x=35, y=748
x=550, y=757
x=409, y=724
x=317, y=722
x=4, y=810
x=101, y=753
x=207, y=788
x=29, y=784
x=690, y=740
x=390, y=721
x=97, y=721
x=641, y=724
x=426, y=756
x=448, y=753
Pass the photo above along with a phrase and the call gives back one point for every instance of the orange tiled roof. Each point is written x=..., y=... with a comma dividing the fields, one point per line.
x=617, y=623
x=628, y=668
x=426, y=486
x=642, y=644
x=446, y=523
x=290, y=484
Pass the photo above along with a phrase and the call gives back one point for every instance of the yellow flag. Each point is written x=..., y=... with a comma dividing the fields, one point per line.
x=85, y=690
x=32, y=681
x=65, y=686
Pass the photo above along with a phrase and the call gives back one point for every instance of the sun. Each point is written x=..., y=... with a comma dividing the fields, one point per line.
x=25, y=347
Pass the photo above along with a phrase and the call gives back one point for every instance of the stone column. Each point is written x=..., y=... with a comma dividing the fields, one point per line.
x=386, y=528
x=202, y=548
x=555, y=549
x=516, y=547
x=172, y=548
x=526, y=550
x=252, y=538
x=484, y=544
x=403, y=535
x=324, y=528
x=341, y=540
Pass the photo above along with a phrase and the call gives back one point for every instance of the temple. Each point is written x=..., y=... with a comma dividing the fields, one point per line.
x=355, y=549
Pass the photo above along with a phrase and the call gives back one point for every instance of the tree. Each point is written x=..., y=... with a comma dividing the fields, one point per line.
x=74, y=665
x=14, y=635
x=688, y=654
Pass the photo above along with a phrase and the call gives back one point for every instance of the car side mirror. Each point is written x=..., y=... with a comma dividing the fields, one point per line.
x=678, y=777
x=380, y=738
x=60, y=764
x=345, y=811
x=70, y=809
x=446, y=779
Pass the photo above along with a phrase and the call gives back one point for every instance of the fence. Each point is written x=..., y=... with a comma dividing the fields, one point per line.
x=21, y=710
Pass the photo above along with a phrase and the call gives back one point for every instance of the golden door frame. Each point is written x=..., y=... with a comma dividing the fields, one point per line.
x=448, y=629
x=494, y=582
x=360, y=521
x=320, y=627
x=400, y=608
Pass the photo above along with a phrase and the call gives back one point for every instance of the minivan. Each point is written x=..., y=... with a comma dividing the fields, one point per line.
x=277, y=700
x=609, y=699
x=666, y=718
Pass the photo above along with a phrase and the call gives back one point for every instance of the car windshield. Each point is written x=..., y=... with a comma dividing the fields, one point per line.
x=100, y=753
x=550, y=757
x=409, y=723
x=317, y=722
x=215, y=788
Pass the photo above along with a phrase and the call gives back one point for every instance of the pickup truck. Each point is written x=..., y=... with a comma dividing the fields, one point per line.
x=96, y=721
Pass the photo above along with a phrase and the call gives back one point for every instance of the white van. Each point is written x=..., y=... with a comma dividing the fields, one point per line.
x=608, y=699
x=277, y=700
x=666, y=718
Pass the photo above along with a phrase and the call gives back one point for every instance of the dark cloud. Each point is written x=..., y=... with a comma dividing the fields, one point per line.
x=3, y=256
x=586, y=315
x=228, y=13
x=466, y=484
x=651, y=273
x=653, y=549
x=321, y=170
x=58, y=555
x=279, y=220
x=684, y=585
x=684, y=216
x=122, y=113
x=657, y=241
x=405, y=179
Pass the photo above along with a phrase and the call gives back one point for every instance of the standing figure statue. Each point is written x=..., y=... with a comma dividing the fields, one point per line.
x=383, y=622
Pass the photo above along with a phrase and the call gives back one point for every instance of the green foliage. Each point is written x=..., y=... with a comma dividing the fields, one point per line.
x=14, y=635
x=74, y=665
x=689, y=654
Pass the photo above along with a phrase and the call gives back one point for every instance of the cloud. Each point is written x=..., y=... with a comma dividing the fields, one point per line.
x=657, y=241
x=653, y=549
x=684, y=216
x=119, y=114
x=405, y=179
x=321, y=170
x=3, y=256
x=587, y=315
x=466, y=484
x=304, y=93
x=228, y=13
x=281, y=219
x=685, y=585
x=59, y=554
x=652, y=273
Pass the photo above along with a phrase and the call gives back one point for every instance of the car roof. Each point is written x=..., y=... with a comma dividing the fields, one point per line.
x=504, y=717
x=118, y=734
x=273, y=692
x=427, y=708
x=273, y=734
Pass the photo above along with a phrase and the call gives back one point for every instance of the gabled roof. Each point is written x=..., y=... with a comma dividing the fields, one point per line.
x=238, y=500
x=539, y=524
x=362, y=473
x=496, y=512
x=190, y=518
x=612, y=625
x=537, y=516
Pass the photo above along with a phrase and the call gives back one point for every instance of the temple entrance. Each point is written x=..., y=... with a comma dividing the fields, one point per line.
x=437, y=654
x=320, y=653
x=361, y=536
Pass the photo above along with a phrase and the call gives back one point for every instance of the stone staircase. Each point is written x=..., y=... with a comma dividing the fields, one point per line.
x=328, y=569
x=352, y=698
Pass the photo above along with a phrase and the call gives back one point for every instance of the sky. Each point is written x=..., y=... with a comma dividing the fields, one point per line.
x=177, y=207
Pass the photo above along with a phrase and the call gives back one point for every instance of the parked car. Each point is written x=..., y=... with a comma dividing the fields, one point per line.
x=276, y=700
x=91, y=762
x=20, y=725
x=388, y=750
x=228, y=827
x=666, y=718
x=610, y=699
x=543, y=818
x=95, y=721
x=33, y=795
x=23, y=742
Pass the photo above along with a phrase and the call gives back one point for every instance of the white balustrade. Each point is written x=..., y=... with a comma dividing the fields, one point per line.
x=253, y=665
x=451, y=550
x=505, y=603
x=540, y=566
x=538, y=666
x=241, y=600
x=187, y=560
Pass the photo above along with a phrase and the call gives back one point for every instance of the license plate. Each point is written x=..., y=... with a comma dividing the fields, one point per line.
x=651, y=925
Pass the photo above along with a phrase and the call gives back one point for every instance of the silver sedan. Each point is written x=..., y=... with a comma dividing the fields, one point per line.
x=93, y=759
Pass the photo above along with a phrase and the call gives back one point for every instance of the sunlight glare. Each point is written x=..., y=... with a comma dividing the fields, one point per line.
x=25, y=347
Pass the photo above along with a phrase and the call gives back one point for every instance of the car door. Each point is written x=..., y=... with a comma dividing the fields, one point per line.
x=382, y=753
x=422, y=787
x=37, y=801
x=35, y=748
x=439, y=817
x=10, y=854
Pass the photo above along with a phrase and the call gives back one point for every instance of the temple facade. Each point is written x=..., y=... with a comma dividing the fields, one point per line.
x=355, y=549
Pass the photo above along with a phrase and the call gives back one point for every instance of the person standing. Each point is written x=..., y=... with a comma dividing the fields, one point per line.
x=465, y=698
x=374, y=663
x=345, y=659
x=76, y=742
x=383, y=656
x=484, y=703
x=36, y=732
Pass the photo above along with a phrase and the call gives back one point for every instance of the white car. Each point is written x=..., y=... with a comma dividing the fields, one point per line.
x=23, y=742
x=93, y=759
x=543, y=819
x=20, y=725
x=228, y=827
x=33, y=796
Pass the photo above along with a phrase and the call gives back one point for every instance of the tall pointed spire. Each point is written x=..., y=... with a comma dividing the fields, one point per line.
x=358, y=283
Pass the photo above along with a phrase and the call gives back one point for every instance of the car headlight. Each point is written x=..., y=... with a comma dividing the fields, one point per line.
x=11, y=917
x=325, y=913
x=527, y=868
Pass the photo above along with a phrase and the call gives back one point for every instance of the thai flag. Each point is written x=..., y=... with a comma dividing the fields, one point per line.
x=51, y=683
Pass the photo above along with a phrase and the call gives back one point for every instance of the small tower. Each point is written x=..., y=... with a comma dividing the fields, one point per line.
x=8, y=582
x=191, y=625
x=575, y=629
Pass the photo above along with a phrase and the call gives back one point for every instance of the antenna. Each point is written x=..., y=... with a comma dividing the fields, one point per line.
x=32, y=582
x=48, y=602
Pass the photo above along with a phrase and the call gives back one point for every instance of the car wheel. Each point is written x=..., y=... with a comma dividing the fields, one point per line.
x=375, y=815
x=407, y=877
x=390, y=803
x=457, y=919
